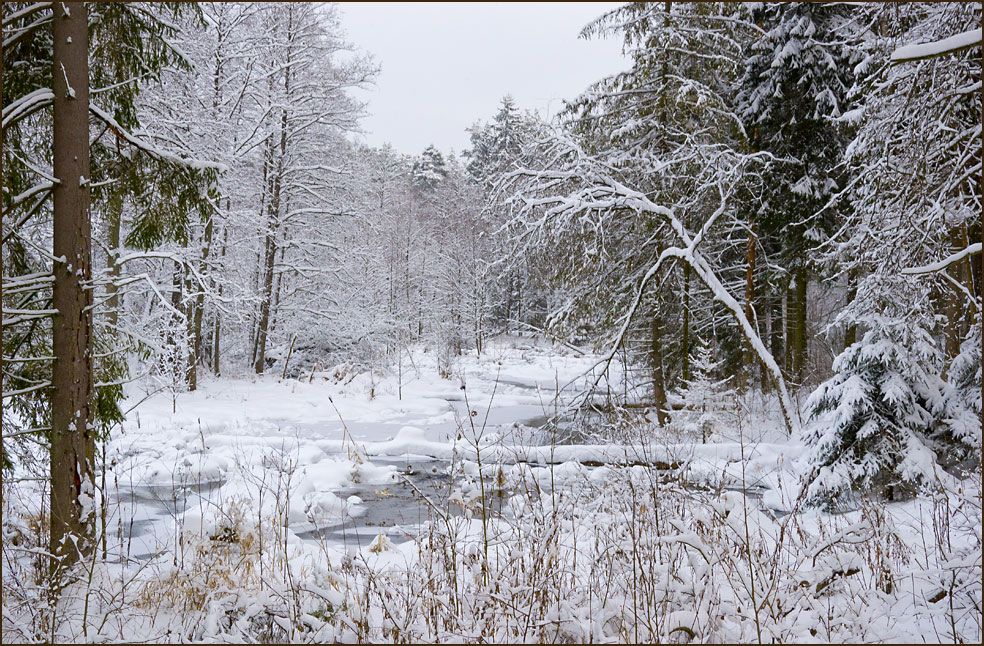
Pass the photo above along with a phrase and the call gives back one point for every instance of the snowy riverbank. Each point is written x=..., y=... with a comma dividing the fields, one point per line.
x=303, y=509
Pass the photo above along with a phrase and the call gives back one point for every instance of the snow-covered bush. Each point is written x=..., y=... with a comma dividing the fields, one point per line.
x=875, y=417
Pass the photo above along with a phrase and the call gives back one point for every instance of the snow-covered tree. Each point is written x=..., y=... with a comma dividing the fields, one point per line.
x=875, y=419
x=915, y=189
x=70, y=393
x=961, y=432
x=305, y=109
x=498, y=147
x=652, y=177
x=915, y=203
x=698, y=406
x=429, y=170
x=795, y=84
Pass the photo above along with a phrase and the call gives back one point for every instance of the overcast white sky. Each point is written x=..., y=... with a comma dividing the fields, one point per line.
x=446, y=65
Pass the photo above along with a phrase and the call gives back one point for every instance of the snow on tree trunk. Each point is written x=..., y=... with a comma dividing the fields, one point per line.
x=72, y=447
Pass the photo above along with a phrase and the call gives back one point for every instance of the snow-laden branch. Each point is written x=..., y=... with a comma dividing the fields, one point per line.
x=23, y=13
x=15, y=35
x=26, y=105
x=34, y=190
x=150, y=149
x=951, y=45
x=16, y=317
x=24, y=391
x=27, y=215
x=946, y=262
x=603, y=192
x=27, y=279
x=26, y=284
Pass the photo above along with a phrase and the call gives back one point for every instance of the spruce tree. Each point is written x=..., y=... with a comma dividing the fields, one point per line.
x=699, y=404
x=429, y=169
x=54, y=356
x=795, y=83
x=875, y=419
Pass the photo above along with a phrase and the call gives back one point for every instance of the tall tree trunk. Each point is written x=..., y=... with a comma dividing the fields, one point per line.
x=799, y=333
x=775, y=331
x=216, y=333
x=72, y=441
x=278, y=281
x=749, y=355
x=178, y=304
x=273, y=221
x=509, y=300
x=261, y=258
x=112, y=288
x=191, y=372
x=956, y=319
x=656, y=356
x=789, y=314
x=686, y=321
x=115, y=220
x=267, y=296
x=196, y=336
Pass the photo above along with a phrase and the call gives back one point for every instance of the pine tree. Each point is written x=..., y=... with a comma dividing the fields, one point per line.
x=876, y=417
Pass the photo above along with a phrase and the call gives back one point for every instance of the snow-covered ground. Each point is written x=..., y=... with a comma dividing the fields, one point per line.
x=330, y=430
x=335, y=429
x=345, y=493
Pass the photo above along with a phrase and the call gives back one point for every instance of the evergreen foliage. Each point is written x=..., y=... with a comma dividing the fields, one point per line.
x=878, y=414
x=699, y=404
x=128, y=46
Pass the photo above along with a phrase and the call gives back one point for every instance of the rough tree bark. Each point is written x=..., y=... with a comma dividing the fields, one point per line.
x=656, y=356
x=72, y=445
x=749, y=358
x=199, y=307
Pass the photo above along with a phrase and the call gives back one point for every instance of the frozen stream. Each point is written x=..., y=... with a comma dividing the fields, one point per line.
x=154, y=496
x=345, y=448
